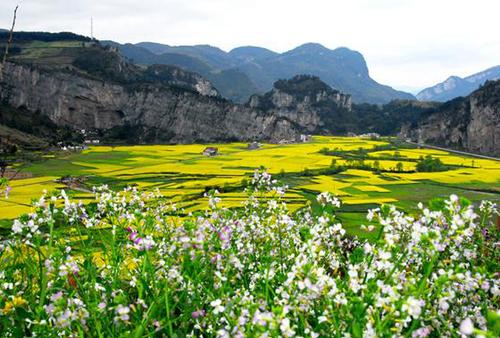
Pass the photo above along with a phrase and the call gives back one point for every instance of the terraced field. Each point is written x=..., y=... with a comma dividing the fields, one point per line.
x=182, y=173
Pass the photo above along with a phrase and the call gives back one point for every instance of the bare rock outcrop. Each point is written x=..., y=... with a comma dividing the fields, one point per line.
x=174, y=107
x=471, y=123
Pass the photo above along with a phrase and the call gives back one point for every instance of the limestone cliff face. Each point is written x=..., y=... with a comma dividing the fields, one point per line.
x=471, y=123
x=483, y=131
x=305, y=100
x=152, y=112
x=163, y=114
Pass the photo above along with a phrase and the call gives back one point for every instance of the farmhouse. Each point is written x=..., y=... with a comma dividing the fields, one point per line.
x=305, y=138
x=370, y=135
x=253, y=146
x=210, y=151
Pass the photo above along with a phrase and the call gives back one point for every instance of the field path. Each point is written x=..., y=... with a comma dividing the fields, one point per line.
x=423, y=145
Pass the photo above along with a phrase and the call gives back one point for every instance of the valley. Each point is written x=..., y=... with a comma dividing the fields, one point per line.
x=154, y=190
x=362, y=172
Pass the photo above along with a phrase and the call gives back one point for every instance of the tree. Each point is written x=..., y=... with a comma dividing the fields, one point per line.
x=7, y=154
x=282, y=174
x=333, y=165
x=430, y=164
x=399, y=166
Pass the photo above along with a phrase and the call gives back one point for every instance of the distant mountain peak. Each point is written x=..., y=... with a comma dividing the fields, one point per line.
x=451, y=83
x=346, y=51
x=247, y=54
x=455, y=86
x=492, y=73
x=249, y=47
x=310, y=47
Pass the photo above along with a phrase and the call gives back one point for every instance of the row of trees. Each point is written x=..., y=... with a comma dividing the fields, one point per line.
x=430, y=164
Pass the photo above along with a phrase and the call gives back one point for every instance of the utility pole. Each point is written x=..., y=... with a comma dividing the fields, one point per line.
x=92, y=28
x=9, y=42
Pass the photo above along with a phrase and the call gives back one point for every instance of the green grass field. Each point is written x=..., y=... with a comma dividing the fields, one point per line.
x=55, y=52
x=183, y=174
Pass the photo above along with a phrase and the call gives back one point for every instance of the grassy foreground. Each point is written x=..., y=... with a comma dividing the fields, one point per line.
x=126, y=266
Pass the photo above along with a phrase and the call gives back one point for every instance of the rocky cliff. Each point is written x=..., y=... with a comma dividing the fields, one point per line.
x=305, y=100
x=471, y=123
x=159, y=104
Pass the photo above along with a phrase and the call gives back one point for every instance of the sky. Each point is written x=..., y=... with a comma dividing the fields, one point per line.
x=408, y=44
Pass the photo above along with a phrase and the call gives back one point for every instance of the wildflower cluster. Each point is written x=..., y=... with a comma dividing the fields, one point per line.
x=5, y=188
x=124, y=266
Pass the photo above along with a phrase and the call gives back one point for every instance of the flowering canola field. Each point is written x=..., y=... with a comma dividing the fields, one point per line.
x=183, y=174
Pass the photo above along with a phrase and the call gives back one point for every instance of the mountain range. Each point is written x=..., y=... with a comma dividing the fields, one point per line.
x=93, y=88
x=456, y=86
x=55, y=85
x=248, y=70
x=73, y=83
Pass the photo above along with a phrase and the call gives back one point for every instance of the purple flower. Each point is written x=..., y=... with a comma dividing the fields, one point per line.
x=198, y=314
x=484, y=231
x=56, y=296
x=225, y=234
x=133, y=236
x=148, y=245
x=215, y=258
x=7, y=191
x=422, y=332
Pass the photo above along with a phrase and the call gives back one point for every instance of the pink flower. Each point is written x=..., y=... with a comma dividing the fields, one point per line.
x=215, y=258
x=7, y=191
x=198, y=313
x=225, y=234
x=422, y=332
x=134, y=237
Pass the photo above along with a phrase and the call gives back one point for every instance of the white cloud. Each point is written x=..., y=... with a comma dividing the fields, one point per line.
x=407, y=43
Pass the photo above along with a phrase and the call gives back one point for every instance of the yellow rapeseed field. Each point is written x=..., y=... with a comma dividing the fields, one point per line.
x=182, y=173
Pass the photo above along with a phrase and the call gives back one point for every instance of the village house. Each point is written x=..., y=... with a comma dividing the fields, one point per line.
x=370, y=135
x=253, y=146
x=210, y=151
x=305, y=138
